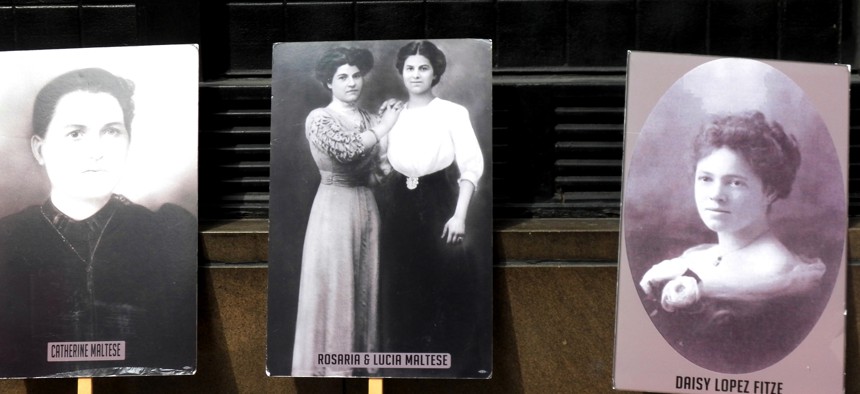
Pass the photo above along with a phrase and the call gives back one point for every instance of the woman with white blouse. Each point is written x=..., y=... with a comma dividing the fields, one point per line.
x=437, y=165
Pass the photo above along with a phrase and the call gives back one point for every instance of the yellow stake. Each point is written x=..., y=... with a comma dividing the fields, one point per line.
x=85, y=385
x=374, y=386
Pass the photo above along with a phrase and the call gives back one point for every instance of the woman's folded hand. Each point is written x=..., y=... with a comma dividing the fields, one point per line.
x=679, y=293
x=661, y=273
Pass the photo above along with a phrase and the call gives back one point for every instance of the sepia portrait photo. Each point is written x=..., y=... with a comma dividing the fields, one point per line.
x=98, y=227
x=735, y=216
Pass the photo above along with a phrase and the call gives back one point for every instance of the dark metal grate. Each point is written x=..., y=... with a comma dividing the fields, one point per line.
x=559, y=145
x=589, y=133
x=234, y=148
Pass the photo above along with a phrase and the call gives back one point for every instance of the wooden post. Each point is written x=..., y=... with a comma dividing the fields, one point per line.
x=85, y=385
x=374, y=386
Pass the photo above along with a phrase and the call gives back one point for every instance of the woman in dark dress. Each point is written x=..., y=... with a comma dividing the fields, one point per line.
x=88, y=265
x=433, y=286
x=339, y=286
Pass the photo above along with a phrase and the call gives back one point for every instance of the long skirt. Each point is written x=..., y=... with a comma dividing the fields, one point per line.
x=431, y=297
x=338, y=291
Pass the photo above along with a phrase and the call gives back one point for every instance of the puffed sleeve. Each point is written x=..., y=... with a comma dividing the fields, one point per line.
x=468, y=155
x=327, y=134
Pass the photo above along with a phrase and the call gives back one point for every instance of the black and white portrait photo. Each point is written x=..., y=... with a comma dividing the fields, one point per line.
x=381, y=209
x=98, y=226
x=735, y=217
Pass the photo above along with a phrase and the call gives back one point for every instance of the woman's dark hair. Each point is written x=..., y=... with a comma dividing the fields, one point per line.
x=768, y=149
x=336, y=57
x=91, y=80
x=428, y=50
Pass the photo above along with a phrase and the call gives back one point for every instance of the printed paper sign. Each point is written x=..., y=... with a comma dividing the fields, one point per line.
x=98, y=226
x=732, y=259
x=380, y=259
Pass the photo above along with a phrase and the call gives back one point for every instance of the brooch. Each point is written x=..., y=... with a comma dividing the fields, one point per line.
x=411, y=183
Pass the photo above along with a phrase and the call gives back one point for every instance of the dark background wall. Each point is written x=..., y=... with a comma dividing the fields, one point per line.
x=558, y=72
x=558, y=98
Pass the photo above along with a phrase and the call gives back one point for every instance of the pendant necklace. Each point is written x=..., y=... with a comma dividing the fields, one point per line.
x=720, y=257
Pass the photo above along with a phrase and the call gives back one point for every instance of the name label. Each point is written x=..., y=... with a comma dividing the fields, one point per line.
x=86, y=351
x=385, y=360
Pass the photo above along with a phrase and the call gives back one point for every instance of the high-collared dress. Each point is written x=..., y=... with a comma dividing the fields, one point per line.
x=339, y=285
x=124, y=274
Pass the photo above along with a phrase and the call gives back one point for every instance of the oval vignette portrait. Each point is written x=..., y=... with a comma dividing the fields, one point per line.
x=735, y=215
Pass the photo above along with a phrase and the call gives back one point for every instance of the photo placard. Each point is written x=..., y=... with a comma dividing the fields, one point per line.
x=98, y=226
x=380, y=260
x=734, y=222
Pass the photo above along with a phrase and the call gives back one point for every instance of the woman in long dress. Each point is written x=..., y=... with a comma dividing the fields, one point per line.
x=338, y=290
x=432, y=286
x=748, y=293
